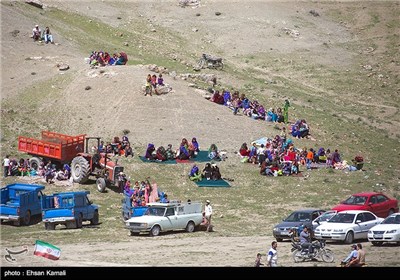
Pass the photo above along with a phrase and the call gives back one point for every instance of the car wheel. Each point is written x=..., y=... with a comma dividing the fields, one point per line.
x=349, y=238
x=95, y=219
x=27, y=219
x=79, y=221
x=190, y=227
x=155, y=231
x=377, y=243
x=49, y=226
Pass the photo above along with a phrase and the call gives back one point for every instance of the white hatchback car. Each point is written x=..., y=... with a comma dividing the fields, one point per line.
x=387, y=231
x=347, y=226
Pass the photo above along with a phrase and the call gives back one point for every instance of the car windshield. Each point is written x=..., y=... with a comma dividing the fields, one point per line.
x=392, y=220
x=155, y=211
x=342, y=218
x=355, y=200
x=326, y=216
x=298, y=217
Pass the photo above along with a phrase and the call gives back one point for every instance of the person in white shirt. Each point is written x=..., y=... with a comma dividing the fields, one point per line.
x=272, y=255
x=6, y=164
x=208, y=213
x=36, y=33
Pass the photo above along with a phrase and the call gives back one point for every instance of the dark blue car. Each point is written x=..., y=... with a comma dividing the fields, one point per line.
x=296, y=219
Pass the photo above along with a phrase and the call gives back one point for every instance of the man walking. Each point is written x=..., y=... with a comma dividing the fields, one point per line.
x=272, y=256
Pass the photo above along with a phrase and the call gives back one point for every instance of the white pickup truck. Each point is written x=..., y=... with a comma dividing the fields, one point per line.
x=161, y=217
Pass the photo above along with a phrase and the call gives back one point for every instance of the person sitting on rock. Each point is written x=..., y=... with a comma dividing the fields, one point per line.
x=37, y=33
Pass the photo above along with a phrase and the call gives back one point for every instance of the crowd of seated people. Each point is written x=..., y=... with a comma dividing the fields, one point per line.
x=186, y=150
x=47, y=171
x=279, y=156
x=100, y=58
x=209, y=172
x=253, y=109
x=120, y=147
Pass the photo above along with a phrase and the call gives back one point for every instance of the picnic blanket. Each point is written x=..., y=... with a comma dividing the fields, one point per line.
x=202, y=156
x=170, y=161
x=211, y=183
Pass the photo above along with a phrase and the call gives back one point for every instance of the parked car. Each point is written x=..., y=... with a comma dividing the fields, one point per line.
x=295, y=220
x=323, y=218
x=161, y=217
x=387, y=231
x=377, y=203
x=347, y=226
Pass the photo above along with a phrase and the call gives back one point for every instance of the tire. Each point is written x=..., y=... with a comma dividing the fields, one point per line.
x=279, y=239
x=328, y=256
x=49, y=226
x=95, y=219
x=155, y=231
x=349, y=238
x=79, y=221
x=71, y=224
x=297, y=257
x=34, y=163
x=101, y=185
x=377, y=243
x=26, y=220
x=190, y=227
x=80, y=170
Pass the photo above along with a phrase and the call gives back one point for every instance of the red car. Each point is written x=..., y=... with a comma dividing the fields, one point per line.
x=378, y=203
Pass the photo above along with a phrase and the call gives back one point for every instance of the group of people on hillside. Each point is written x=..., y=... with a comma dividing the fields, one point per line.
x=253, y=109
x=39, y=35
x=186, y=150
x=152, y=82
x=143, y=192
x=47, y=170
x=209, y=172
x=279, y=156
x=100, y=58
x=120, y=147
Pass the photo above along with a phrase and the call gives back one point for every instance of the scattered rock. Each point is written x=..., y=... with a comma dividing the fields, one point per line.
x=33, y=73
x=195, y=29
x=217, y=13
x=314, y=13
x=88, y=87
x=119, y=18
x=63, y=67
x=126, y=44
x=35, y=3
x=198, y=14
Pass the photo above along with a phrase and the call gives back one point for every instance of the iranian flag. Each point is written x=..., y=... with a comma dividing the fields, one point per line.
x=47, y=250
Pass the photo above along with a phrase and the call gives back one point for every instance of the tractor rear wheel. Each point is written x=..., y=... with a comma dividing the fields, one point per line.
x=80, y=169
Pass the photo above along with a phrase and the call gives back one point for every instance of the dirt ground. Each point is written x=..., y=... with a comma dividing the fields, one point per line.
x=252, y=24
x=182, y=249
